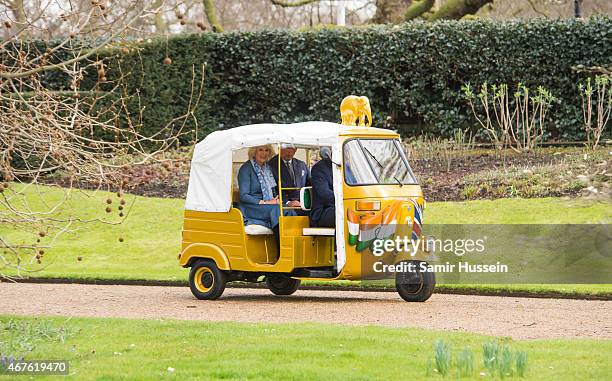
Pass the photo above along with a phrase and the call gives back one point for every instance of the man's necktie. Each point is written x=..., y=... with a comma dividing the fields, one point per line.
x=291, y=173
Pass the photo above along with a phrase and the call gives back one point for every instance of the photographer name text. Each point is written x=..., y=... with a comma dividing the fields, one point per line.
x=462, y=267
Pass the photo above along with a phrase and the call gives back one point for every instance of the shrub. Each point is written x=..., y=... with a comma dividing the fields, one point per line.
x=465, y=363
x=443, y=356
x=518, y=121
x=601, y=101
x=490, y=356
x=521, y=363
x=412, y=73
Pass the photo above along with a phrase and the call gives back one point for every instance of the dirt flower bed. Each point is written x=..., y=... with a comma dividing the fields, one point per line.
x=165, y=177
x=445, y=174
x=487, y=174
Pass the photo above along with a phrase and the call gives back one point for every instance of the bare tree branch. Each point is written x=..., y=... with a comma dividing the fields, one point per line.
x=535, y=9
x=593, y=69
x=297, y=3
x=77, y=138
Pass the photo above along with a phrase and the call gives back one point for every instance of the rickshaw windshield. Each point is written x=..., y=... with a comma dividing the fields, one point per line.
x=375, y=161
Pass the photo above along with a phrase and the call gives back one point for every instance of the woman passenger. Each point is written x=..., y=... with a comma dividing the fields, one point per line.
x=258, y=191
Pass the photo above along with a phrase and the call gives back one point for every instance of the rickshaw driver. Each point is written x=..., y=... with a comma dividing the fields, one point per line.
x=323, y=212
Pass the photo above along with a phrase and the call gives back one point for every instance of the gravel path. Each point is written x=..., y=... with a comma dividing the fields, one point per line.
x=519, y=318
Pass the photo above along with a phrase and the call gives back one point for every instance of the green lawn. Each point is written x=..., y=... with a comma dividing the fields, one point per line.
x=152, y=234
x=122, y=349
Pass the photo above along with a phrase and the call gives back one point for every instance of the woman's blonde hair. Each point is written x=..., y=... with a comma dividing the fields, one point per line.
x=252, y=150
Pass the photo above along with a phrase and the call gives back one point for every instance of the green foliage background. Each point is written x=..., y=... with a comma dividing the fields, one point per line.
x=412, y=72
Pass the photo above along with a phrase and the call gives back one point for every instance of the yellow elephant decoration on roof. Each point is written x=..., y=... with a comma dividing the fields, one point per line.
x=354, y=111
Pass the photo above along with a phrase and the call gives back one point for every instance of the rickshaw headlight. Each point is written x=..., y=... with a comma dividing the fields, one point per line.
x=367, y=205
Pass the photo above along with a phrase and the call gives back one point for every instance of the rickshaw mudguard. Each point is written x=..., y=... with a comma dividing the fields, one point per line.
x=205, y=251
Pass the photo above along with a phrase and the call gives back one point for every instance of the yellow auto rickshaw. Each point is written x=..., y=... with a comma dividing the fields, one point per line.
x=376, y=196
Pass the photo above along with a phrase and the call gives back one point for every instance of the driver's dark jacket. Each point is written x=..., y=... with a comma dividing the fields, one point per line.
x=322, y=189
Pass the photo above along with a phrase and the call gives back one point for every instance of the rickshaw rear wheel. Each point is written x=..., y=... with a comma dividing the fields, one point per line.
x=281, y=284
x=415, y=286
x=206, y=281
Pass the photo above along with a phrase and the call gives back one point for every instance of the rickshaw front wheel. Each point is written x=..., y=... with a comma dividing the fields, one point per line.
x=206, y=281
x=281, y=284
x=415, y=286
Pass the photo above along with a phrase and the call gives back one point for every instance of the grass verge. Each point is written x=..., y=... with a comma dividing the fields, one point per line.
x=123, y=349
x=151, y=235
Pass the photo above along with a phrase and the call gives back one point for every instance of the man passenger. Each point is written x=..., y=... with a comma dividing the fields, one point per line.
x=294, y=174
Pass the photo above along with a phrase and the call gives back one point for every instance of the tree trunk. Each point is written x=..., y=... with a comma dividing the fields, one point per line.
x=160, y=23
x=390, y=11
x=211, y=15
x=577, y=8
x=18, y=10
x=456, y=9
x=417, y=8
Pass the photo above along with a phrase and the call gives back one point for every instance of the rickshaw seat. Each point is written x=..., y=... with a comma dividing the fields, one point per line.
x=257, y=230
x=319, y=231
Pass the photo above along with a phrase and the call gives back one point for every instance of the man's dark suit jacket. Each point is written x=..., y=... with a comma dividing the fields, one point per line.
x=302, y=177
x=322, y=190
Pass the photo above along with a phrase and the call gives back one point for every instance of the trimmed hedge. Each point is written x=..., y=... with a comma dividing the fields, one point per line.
x=412, y=72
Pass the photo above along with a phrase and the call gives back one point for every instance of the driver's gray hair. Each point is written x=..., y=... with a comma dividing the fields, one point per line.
x=325, y=153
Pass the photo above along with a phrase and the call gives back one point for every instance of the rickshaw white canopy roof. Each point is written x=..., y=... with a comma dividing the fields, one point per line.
x=210, y=179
